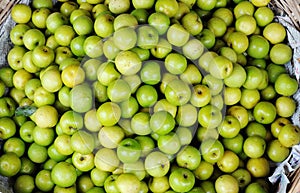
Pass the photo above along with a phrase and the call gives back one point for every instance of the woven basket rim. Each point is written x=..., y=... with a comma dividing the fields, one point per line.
x=5, y=8
x=290, y=8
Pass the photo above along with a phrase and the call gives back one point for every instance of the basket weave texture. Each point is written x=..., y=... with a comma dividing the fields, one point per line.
x=291, y=8
x=287, y=13
x=5, y=6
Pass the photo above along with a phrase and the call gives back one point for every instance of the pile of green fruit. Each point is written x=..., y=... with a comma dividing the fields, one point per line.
x=123, y=96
